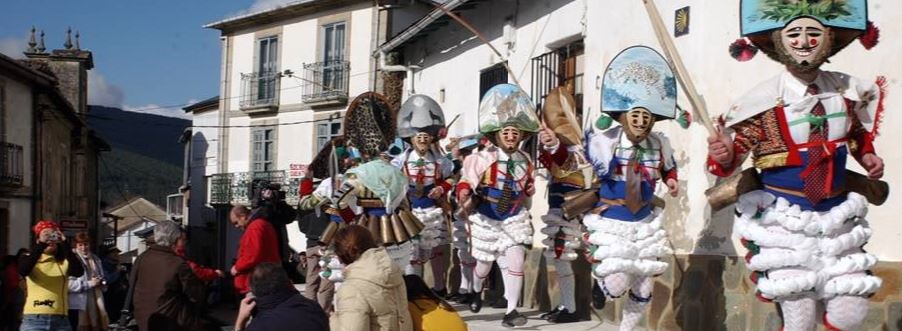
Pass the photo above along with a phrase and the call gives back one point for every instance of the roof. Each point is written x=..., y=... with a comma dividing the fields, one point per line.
x=292, y=9
x=18, y=68
x=135, y=211
x=203, y=105
x=426, y=25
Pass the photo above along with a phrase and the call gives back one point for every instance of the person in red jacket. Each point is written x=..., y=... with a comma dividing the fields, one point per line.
x=259, y=244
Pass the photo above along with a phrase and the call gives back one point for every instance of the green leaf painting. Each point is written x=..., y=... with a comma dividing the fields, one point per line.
x=785, y=10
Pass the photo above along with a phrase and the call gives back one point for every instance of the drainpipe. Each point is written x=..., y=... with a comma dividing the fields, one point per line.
x=36, y=165
x=411, y=69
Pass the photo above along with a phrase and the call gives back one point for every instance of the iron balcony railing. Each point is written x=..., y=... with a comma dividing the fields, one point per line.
x=260, y=89
x=326, y=81
x=12, y=167
x=236, y=187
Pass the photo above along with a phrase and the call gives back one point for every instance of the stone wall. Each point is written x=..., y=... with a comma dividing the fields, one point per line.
x=711, y=292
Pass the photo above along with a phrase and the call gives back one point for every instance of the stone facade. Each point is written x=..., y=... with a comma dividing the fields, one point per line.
x=712, y=292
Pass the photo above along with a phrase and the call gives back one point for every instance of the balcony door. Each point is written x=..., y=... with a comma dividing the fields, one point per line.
x=267, y=66
x=333, y=56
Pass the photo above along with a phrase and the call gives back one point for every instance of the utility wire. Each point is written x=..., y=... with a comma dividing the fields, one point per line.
x=327, y=89
x=118, y=188
x=332, y=118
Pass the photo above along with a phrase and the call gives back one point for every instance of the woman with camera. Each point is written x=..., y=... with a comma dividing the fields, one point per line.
x=46, y=271
x=86, y=307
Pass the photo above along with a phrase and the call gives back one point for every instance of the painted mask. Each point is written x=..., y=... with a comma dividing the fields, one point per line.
x=637, y=124
x=421, y=142
x=806, y=43
x=509, y=139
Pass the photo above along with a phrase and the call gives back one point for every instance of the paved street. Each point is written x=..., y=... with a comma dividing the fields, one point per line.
x=490, y=319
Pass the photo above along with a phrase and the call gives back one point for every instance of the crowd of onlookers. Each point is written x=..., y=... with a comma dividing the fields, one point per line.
x=62, y=283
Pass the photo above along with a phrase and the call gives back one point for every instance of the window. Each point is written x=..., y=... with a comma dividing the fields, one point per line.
x=325, y=131
x=333, y=54
x=267, y=67
x=263, y=149
x=490, y=77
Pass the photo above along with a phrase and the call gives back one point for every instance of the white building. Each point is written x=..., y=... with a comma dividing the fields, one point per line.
x=287, y=76
x=548, y=43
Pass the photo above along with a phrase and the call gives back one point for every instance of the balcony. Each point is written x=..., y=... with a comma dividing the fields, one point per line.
x=260, y=91
x=12, y=167
x=235, y=188
x=326, y=83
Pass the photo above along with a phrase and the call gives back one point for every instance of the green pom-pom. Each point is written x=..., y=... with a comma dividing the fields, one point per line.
x=684, y=119
x=604, y=122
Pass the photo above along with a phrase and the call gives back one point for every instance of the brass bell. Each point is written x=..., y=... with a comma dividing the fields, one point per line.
x=329, y=234
x=374, y=226
x=411, y=223
x=388, y=235
x=398, y=228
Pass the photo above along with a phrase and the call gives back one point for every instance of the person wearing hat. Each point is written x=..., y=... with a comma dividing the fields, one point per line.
x=562, y=154
x=47, y=270
x=804, y=228
x=420, y=124
x=373, y=194
x=461, y=148
x=495, y=189
x=625, y=227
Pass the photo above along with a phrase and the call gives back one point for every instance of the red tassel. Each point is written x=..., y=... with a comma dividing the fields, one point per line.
x=870, y=37
x=742, y=50
x=878, y=117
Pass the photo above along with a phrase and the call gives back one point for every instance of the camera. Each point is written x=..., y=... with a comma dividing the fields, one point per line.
x=54, y=237
x=263, y=191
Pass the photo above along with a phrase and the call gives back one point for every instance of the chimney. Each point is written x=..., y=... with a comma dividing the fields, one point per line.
x=70, y=65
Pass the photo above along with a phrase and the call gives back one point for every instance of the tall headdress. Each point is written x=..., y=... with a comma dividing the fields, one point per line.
x=507, y=105
x=759, y=18
x=420, y=113
x=638, y=77
x=369, y=124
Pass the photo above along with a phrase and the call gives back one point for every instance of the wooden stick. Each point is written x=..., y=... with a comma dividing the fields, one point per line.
x=479, y=35
x=682, y=75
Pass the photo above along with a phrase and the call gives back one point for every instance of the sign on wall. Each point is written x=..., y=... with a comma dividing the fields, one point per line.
x=297, y=170
x=71, y=227
x=681, y=22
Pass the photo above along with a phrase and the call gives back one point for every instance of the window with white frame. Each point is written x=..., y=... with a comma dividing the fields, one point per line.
x=263, y=144
x=325, y=131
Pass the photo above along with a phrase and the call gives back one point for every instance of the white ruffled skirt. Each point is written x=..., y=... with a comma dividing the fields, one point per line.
x=823, y=249
x=492, y=238
x=435, y=232
x=569, y=231
x=627, y=247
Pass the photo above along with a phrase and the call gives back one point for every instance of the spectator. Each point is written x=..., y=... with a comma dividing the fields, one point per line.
x=428, y=311
x=312, y=221
x=86, y=309
x=116, y=286
x=204, y=273
x=168, y=296
x=277, y=304
x=13, y=294
x=46, y=270
x=373, y=295
x=259, y=244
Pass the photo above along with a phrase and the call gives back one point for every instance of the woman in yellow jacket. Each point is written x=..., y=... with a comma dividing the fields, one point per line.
x=428, y=311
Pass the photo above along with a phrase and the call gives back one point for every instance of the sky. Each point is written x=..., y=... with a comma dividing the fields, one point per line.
x=149, y=56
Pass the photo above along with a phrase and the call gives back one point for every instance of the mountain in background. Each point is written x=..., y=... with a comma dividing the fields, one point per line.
x=146, y=157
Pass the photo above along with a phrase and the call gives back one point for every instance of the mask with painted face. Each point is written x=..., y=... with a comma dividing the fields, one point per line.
x=805, y=44
x=509, y=139
x=421, y=142
x=637, y=124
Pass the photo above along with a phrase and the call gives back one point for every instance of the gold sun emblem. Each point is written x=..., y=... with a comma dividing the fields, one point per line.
x=682, y=21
